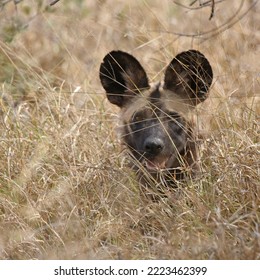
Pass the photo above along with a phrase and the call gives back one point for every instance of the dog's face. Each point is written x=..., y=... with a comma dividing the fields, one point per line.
x=155, y=134
x=156, y=119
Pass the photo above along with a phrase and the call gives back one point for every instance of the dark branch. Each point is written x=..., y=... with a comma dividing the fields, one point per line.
x=54, y=2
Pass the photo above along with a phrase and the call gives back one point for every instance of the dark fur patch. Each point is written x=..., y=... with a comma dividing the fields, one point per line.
x=189, y=72
x=155, y=95
x=122, y=76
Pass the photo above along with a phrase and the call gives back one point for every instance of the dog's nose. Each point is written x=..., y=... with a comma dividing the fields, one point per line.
x=153, y=146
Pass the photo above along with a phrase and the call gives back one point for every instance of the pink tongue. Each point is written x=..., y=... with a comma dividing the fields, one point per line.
x=154, y=165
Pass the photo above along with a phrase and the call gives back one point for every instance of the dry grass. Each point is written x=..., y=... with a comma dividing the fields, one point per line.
x=65, y=189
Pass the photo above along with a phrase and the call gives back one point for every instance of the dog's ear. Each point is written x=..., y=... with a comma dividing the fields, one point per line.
x=122, y=77
x=189, y=75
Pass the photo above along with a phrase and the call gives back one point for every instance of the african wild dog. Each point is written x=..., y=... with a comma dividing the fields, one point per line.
x=156, y=120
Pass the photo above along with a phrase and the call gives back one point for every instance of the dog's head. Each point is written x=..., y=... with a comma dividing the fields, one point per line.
x=155, y=118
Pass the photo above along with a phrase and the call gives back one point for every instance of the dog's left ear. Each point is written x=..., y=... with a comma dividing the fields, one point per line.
x=189, y=75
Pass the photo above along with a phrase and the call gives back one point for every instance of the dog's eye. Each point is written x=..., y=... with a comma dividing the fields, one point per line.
x=137, y=121
x=174, y=115
x=137, y=117
x=170, y=116
x=177, y=122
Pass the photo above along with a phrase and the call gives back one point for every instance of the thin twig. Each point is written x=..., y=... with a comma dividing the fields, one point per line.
x=54, y=2
x=211, y=3
x=201, y=6
x=4, y=2
x=223, y=27
x=212, y=9
x=193, y=2
x=229, y=24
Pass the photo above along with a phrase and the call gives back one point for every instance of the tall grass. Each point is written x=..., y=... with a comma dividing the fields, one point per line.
x=66, y=191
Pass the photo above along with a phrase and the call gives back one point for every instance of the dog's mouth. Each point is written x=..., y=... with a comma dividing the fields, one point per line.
x=156, y=164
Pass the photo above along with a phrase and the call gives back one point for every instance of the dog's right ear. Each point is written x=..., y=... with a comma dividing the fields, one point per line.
x=122, y=77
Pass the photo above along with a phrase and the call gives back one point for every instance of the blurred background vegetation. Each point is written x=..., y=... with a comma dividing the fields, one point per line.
x=65, y=188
